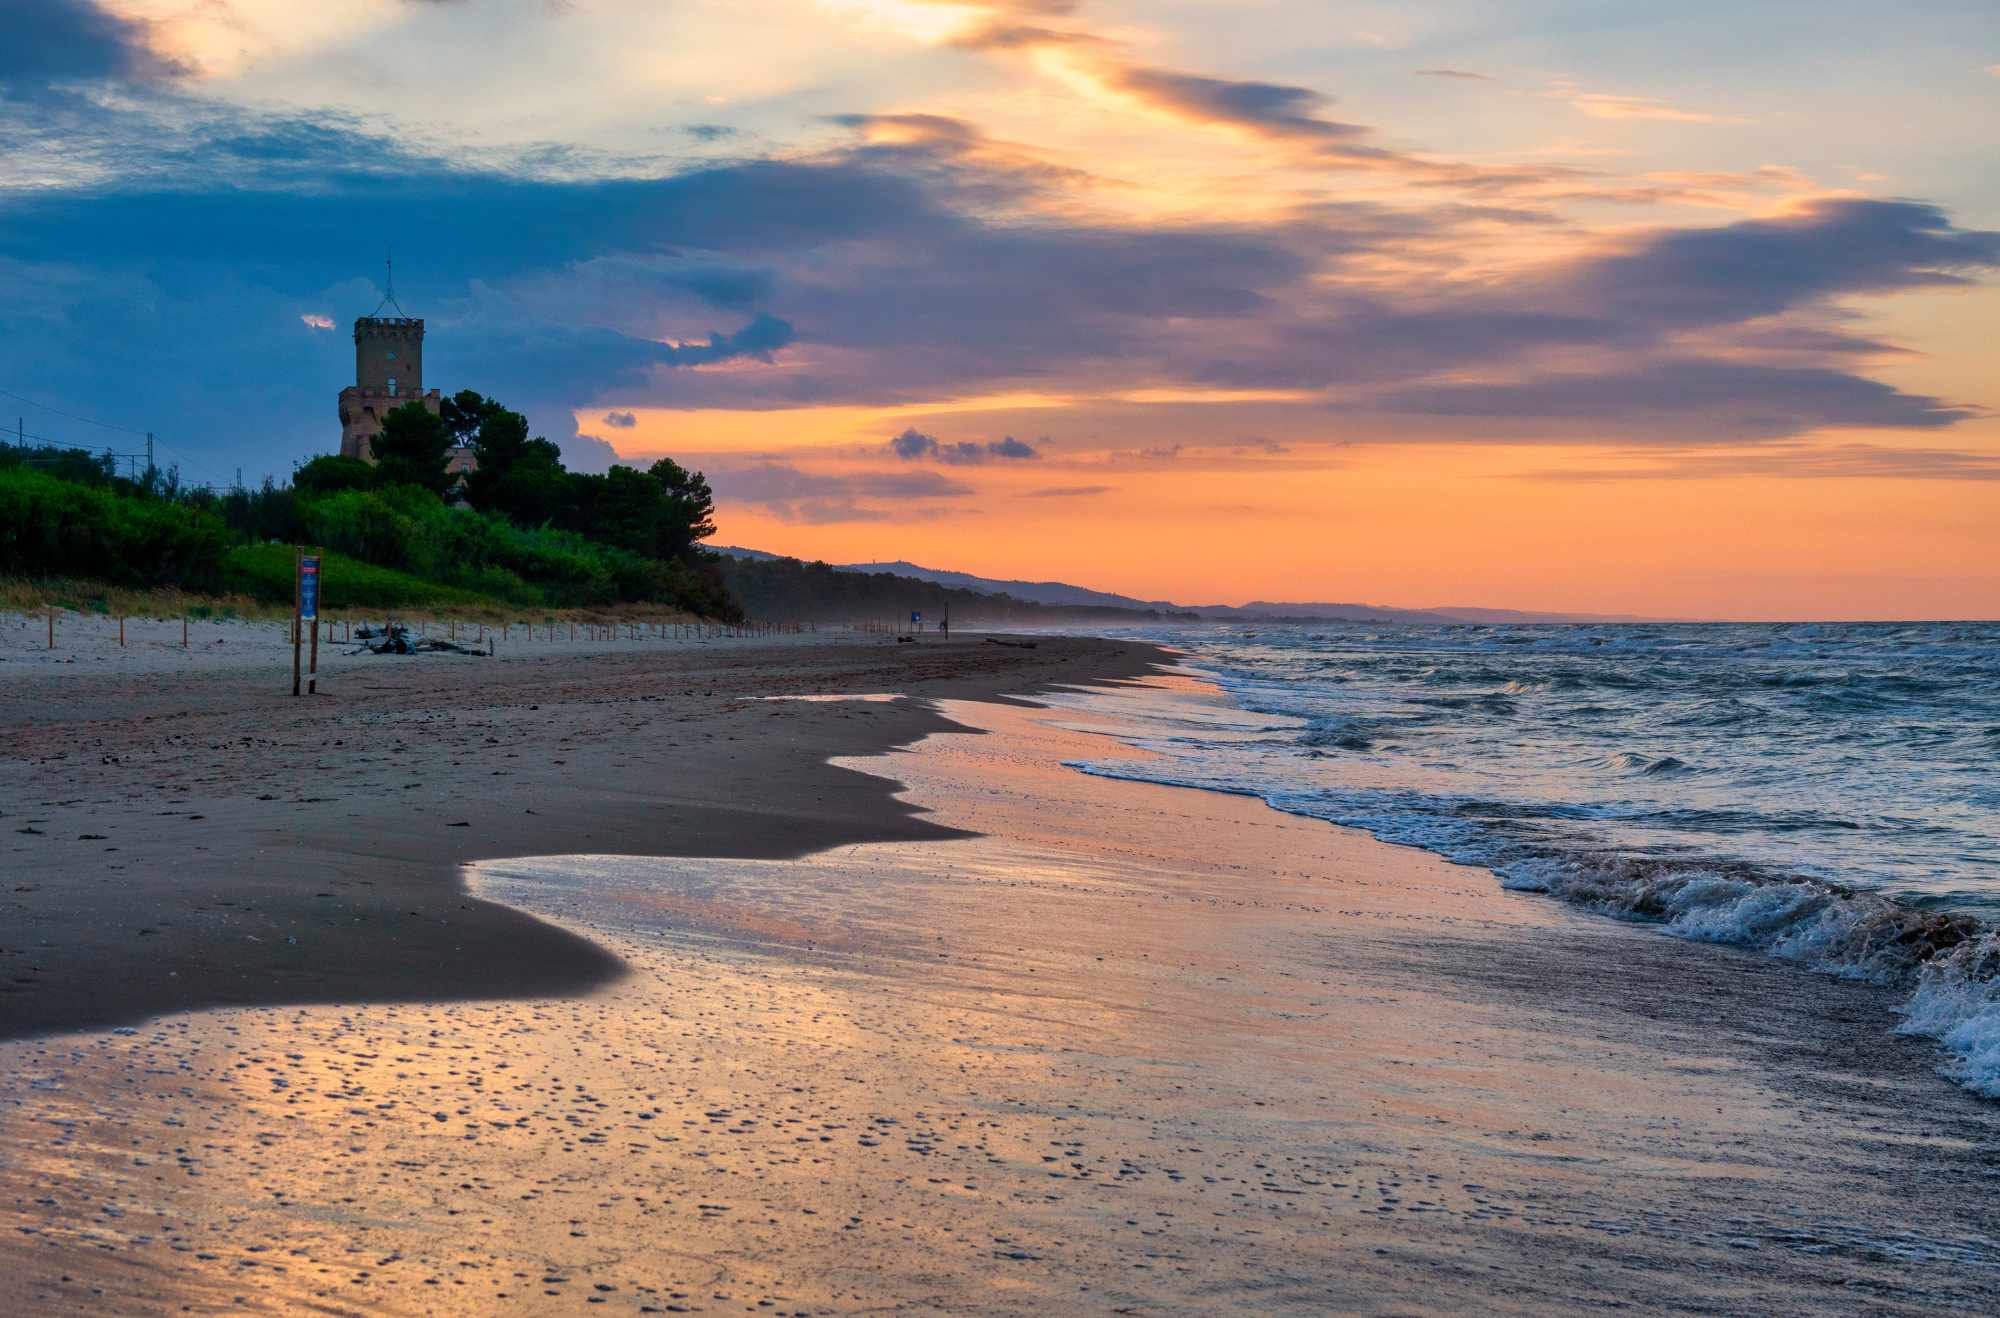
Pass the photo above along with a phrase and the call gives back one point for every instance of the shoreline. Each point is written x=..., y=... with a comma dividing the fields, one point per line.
x=1089, y=1045
x=203, y=840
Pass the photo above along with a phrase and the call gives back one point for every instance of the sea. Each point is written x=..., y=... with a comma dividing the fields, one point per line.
x=1825, y=793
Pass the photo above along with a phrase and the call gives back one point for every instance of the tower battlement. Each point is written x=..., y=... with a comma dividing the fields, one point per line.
x=389, y=355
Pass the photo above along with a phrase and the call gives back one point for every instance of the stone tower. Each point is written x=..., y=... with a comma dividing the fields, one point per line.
x=388, y=373
x=389, y=355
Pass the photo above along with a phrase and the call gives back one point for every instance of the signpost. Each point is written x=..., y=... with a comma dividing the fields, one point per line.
x=305, y=616
x=916, y=620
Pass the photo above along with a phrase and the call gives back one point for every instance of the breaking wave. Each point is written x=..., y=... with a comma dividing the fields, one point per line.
x=1948, y=963
x=1826, y=794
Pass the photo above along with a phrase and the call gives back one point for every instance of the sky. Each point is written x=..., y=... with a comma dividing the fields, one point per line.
x=1679, y=310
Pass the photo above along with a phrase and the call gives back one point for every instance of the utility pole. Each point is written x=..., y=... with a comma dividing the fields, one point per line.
x=149, y=450
x=21, y=434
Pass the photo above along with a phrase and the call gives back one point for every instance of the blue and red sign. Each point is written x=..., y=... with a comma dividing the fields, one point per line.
x=309, y=587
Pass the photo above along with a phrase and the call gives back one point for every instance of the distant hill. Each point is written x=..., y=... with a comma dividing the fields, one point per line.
x=1062, y=594
x=1035, y=592
x=775, y=586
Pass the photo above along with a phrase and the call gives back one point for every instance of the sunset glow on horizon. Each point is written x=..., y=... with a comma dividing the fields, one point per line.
x=1534, y=306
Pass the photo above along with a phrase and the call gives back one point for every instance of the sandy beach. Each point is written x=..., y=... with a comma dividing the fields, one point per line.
x=179, y=832
x=625, y=979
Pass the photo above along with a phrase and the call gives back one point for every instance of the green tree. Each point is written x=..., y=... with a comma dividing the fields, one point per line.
x=662, y=512
x=688, y=515
x=412, y=449
x=520, y=478
x=332, y=472
x=463, y=412
x=630, y=507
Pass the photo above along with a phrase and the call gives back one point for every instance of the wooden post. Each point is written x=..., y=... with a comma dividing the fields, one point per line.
x=121, y=631
x=184, y=629
x=298, y=571
x=52, y=629
x=319, y=597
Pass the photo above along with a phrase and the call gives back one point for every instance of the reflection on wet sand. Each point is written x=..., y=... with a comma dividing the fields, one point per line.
x=1136, y=1049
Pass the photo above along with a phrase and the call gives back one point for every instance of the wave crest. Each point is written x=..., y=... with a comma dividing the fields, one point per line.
x=1950, y=962
x=1957, y=1003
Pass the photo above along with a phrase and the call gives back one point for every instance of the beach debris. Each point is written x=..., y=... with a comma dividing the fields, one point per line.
x=396, y=639
x=1012, y=645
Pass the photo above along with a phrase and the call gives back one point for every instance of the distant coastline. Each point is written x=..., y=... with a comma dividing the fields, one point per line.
x=1063, y=595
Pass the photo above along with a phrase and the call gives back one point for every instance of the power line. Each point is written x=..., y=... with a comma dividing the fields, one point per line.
x=90, y=421
x=68, y=415
x=198, y=467
x=48, y=442
x=201, y=468
x=132, y=459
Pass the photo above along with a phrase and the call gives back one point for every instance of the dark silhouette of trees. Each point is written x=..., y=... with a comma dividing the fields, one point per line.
x=330, y=473
x=664, y=511
x=412, y=449
x=688, y=515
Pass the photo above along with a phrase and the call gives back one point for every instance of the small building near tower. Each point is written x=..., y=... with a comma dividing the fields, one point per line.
x=388, y=373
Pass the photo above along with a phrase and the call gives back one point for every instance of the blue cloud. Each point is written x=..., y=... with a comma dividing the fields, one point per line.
x=762, y=337
x=1264, y=107
x=1723, y=401
x=189, y=249
x=588, y=453
x=915, y=446
x=43, y=41
x=1676, y=278
x=1010, y=447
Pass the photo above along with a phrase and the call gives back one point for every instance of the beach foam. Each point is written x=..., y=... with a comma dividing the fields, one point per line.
x=1957, y=1002
x=1819, y=794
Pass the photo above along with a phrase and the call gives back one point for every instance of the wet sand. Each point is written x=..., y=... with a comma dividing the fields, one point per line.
x=1093, y=1046
x=178, y=832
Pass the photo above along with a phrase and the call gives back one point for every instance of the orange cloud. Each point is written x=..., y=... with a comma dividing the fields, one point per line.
x=1603, y=105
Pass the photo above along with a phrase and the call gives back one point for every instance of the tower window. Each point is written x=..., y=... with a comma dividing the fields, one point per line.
x=392, y=386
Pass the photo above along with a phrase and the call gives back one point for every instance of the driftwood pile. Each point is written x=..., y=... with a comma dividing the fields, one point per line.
x=396, y=639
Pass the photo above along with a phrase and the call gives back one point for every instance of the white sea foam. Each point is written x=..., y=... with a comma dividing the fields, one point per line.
x=1957, y=1002
x=1950, y=963
x=1819, y=794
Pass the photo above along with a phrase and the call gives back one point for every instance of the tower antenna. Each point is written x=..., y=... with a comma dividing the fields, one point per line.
x=389, y=287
